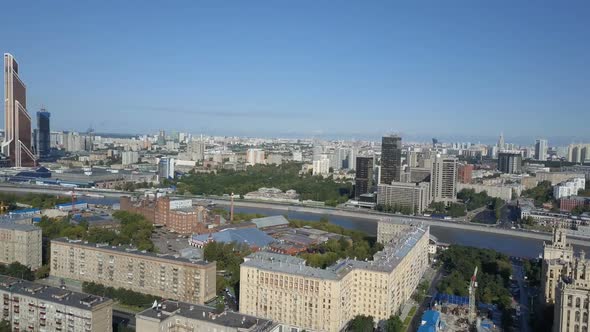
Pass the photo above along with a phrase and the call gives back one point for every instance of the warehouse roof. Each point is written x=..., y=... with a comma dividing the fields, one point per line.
x=272, y=221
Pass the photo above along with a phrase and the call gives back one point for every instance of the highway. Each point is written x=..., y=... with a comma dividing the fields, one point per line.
x=344, y=212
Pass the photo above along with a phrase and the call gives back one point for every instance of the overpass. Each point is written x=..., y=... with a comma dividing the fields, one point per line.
x=351, y=213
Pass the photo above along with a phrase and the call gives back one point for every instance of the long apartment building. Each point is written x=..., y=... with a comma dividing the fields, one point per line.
x=20, y=243
x=170, y=277
x=284, y=289
x=181, y=316
x=29, y=306
x=414, y=196
x=177, y=215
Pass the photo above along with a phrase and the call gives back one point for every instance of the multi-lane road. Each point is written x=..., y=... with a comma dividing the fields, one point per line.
x=344, y=212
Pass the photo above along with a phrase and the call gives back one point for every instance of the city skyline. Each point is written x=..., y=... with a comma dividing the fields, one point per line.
x=266, y=74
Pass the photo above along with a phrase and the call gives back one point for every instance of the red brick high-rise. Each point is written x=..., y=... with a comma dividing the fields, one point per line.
x=465, y=173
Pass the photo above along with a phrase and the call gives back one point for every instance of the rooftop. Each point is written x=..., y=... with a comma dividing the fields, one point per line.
x=130, y=251
x=169, y=309
x=271, y=221
x=383, y=261
x=249, y=236
x=50, y=294
x=19, y=227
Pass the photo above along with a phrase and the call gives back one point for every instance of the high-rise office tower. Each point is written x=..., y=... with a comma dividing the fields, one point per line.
x=443, y=181
x=42, y=135
x=166, y=168
x=391, y=159
x=541, y=149
x=17, y=122
x=509, y=162
x=364, y=176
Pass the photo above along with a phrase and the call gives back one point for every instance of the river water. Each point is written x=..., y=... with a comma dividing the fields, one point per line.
x=507, y=244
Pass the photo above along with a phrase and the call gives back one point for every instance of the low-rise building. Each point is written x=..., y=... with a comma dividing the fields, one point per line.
x=170, y=277
x=170, y=316
x=504, y=192
x=20, y=243
x=29, y=306
x=569, y=187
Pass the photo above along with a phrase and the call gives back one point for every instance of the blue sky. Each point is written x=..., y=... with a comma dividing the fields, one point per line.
x=336, y=68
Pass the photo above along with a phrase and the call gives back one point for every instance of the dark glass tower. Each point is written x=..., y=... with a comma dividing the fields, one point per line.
x=391, y=159
x=364, y=176
x=43, y=134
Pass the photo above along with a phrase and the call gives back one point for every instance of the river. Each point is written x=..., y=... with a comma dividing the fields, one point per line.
x=507, y=244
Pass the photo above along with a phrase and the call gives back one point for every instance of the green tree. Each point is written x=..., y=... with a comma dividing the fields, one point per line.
x=361, y=323
x=5, y=326
x=42, y=272
x=17, y=270
x=394, y=324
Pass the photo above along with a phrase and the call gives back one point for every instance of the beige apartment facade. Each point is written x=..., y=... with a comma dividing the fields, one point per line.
x=30, y=306
x=20, y=243
x=414, y=196
x=283, y=289
x=556, y=255
x=170, y=277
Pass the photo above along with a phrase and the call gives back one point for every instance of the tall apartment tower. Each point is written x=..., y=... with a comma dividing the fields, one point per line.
x=364, y=176
x=42, y=135
x=541, y=149
x=443, y=180
x=391, y=159
x=17, y=134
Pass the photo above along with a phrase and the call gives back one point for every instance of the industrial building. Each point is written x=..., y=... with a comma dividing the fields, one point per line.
x=170, y=277
x=29, y=306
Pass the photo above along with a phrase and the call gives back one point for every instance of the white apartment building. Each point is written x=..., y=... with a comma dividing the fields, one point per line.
x=321, y=166
x=569, y=187
x=129, y=157
x=415, y=196
x=20, y=243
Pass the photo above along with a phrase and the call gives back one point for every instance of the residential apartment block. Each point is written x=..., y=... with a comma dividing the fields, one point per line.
x=30, y=306
x=556, y=255
x=170, y=277
x=443, y=181
x=181, y=316
x=284, y=289
x=20, y=243
x=414, y=196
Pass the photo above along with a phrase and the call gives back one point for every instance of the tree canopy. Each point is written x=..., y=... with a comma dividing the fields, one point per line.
x=285, y=176
x=361, y=323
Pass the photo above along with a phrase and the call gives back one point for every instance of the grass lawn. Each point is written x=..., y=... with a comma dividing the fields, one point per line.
x=408, y=319
x=128, y=308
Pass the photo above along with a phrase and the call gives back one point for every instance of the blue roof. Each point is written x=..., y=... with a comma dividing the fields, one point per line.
x=22, y=211
x=249, y=236
x=426, y=328
x=70, y=203
x=431, y=317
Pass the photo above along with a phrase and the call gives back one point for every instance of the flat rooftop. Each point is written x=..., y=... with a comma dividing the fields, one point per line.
x=50, y=294
x=169, y=309
x=383, y=261
x=18, y=227
x=129, y=250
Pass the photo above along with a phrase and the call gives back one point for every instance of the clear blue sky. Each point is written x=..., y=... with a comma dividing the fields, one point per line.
x=471, y=68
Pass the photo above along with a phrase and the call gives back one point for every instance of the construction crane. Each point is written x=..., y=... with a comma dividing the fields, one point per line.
x=472, y=288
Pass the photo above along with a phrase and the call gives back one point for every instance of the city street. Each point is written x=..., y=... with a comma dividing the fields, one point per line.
x=518, y=274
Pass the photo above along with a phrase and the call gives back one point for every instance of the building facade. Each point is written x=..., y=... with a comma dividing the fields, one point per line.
x=171, y=316
x=556, y=255
x=42, y=135
x=443, y=181
x=17, y=121
x=569, y=188
x=572, y=298
x=363, y=181
x=391, y=159
x=116, y=266
x=282, y=288
x=20, y=243
x=412, y=196
x=541, y=146
x=30, y=306
x=177, y=215
x=578, y=153
x=510, y=162
x=465, y=173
